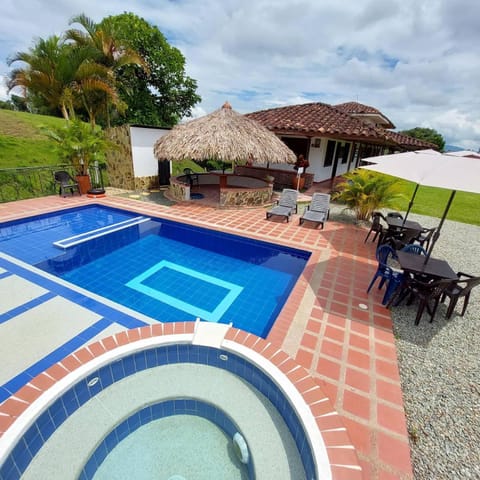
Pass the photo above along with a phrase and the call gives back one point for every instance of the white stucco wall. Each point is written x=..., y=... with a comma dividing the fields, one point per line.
x=143, y=139
x=316, y=159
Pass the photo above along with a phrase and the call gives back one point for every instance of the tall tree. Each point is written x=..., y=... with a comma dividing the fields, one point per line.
x=162, y=94
x=427, y=134
x=107, y=49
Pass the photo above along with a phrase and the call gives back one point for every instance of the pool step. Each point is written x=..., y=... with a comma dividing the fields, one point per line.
x=99, y=232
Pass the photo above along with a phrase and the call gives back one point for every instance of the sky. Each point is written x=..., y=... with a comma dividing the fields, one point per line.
x=417, y=61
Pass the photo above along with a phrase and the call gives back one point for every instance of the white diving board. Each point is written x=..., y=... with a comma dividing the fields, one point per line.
x=99, y=232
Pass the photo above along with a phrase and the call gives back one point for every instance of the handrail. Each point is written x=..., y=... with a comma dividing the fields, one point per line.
x=29, y=182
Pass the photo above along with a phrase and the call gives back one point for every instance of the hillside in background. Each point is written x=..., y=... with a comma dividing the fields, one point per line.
x=22, y=143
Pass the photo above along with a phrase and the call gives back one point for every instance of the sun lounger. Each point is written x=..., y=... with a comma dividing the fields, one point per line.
x=286, y=205
x=318, y=211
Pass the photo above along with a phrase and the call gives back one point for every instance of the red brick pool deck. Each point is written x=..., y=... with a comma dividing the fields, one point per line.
x=338, y=333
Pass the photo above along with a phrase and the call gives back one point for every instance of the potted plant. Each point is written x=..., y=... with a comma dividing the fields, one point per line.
x=270, y=179
x=298, y=181
x=80, y=144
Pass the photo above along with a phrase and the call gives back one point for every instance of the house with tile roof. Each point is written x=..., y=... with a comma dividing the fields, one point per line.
x=334, y=138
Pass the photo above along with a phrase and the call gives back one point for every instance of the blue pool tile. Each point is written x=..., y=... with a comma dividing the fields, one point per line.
x=168, y=409
x=111, y=440
x=172, y=354
x=35, y=444
x=45, y=425
x=162, y=358
x=90, y=468
x=140, y=361
x=182, y=351
x=157, y=411
x=33, y=439
x=101, y=452
x=21, y=455
x=9, y=470
x=151, y=358
x=123, y=430
x=117, y=370
x=128, y=365
x=105, y=375
x=134, y=422
x=145, y=415
x=82, y=392
x=58, y=413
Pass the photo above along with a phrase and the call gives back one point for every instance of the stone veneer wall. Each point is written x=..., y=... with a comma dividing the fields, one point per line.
x=245, y=198
x=178, y=190
x=120, y=160
x=146, y=183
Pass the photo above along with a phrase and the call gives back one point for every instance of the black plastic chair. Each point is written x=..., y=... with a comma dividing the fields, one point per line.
x=428, y=294
x=425, y=237
x=395, y=215
x=457, y=289
x=376, y=227
x=399, y=237
x=192, y=177
x=66, y=182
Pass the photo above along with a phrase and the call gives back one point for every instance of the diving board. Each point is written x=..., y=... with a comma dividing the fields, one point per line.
x=99, y=232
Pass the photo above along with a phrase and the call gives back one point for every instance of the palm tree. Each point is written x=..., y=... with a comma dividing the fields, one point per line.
x=46, y=73
x=63, y=76
x=102, y=39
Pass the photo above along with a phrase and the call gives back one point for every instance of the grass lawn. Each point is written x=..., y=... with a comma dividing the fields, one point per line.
x=431, y=201
x=22, y=143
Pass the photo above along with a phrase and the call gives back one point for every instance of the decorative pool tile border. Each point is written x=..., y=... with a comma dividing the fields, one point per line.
x=167, y=408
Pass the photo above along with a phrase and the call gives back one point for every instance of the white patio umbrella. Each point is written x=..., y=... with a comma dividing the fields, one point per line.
x=432, y=169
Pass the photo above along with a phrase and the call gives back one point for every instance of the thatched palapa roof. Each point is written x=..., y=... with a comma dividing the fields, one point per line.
x=223, y=135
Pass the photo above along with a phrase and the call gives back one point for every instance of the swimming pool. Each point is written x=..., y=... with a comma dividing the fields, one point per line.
x=166, y=270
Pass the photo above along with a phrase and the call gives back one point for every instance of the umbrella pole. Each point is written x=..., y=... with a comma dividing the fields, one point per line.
x=410, y=205
x=437, y=232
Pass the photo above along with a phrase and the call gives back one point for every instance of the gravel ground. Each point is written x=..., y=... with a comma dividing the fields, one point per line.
x=440, y=367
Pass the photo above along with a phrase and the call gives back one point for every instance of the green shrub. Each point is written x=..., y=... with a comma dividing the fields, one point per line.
x=364, y=192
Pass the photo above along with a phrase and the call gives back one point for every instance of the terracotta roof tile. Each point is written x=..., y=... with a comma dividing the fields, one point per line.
x=355, y=108
x=317, y=119
x=410, y=143
x=323, y=120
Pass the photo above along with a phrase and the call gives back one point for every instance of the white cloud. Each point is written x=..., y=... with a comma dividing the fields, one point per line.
x=415, y=60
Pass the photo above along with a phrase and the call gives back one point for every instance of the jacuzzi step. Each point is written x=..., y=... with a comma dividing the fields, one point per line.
x=99, y=232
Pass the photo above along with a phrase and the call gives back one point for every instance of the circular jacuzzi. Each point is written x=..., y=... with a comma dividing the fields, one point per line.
x=144, y=392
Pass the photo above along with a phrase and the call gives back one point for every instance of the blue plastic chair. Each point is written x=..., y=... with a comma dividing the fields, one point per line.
x=386, y=273
x=414, y=248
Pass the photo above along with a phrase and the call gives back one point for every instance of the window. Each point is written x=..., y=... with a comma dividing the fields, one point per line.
x=329, y=153
x=346, y=151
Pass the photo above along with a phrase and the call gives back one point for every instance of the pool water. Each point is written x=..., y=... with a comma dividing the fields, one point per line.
x=163, y=269
x=185, y=445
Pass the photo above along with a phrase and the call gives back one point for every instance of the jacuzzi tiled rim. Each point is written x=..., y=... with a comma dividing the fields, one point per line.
x=313, y=409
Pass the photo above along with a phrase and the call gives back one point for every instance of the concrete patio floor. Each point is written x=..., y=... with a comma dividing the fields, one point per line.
x=329, y=325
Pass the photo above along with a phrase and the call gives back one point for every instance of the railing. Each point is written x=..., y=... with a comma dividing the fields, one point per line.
x=33, y=182
x=28, y=182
